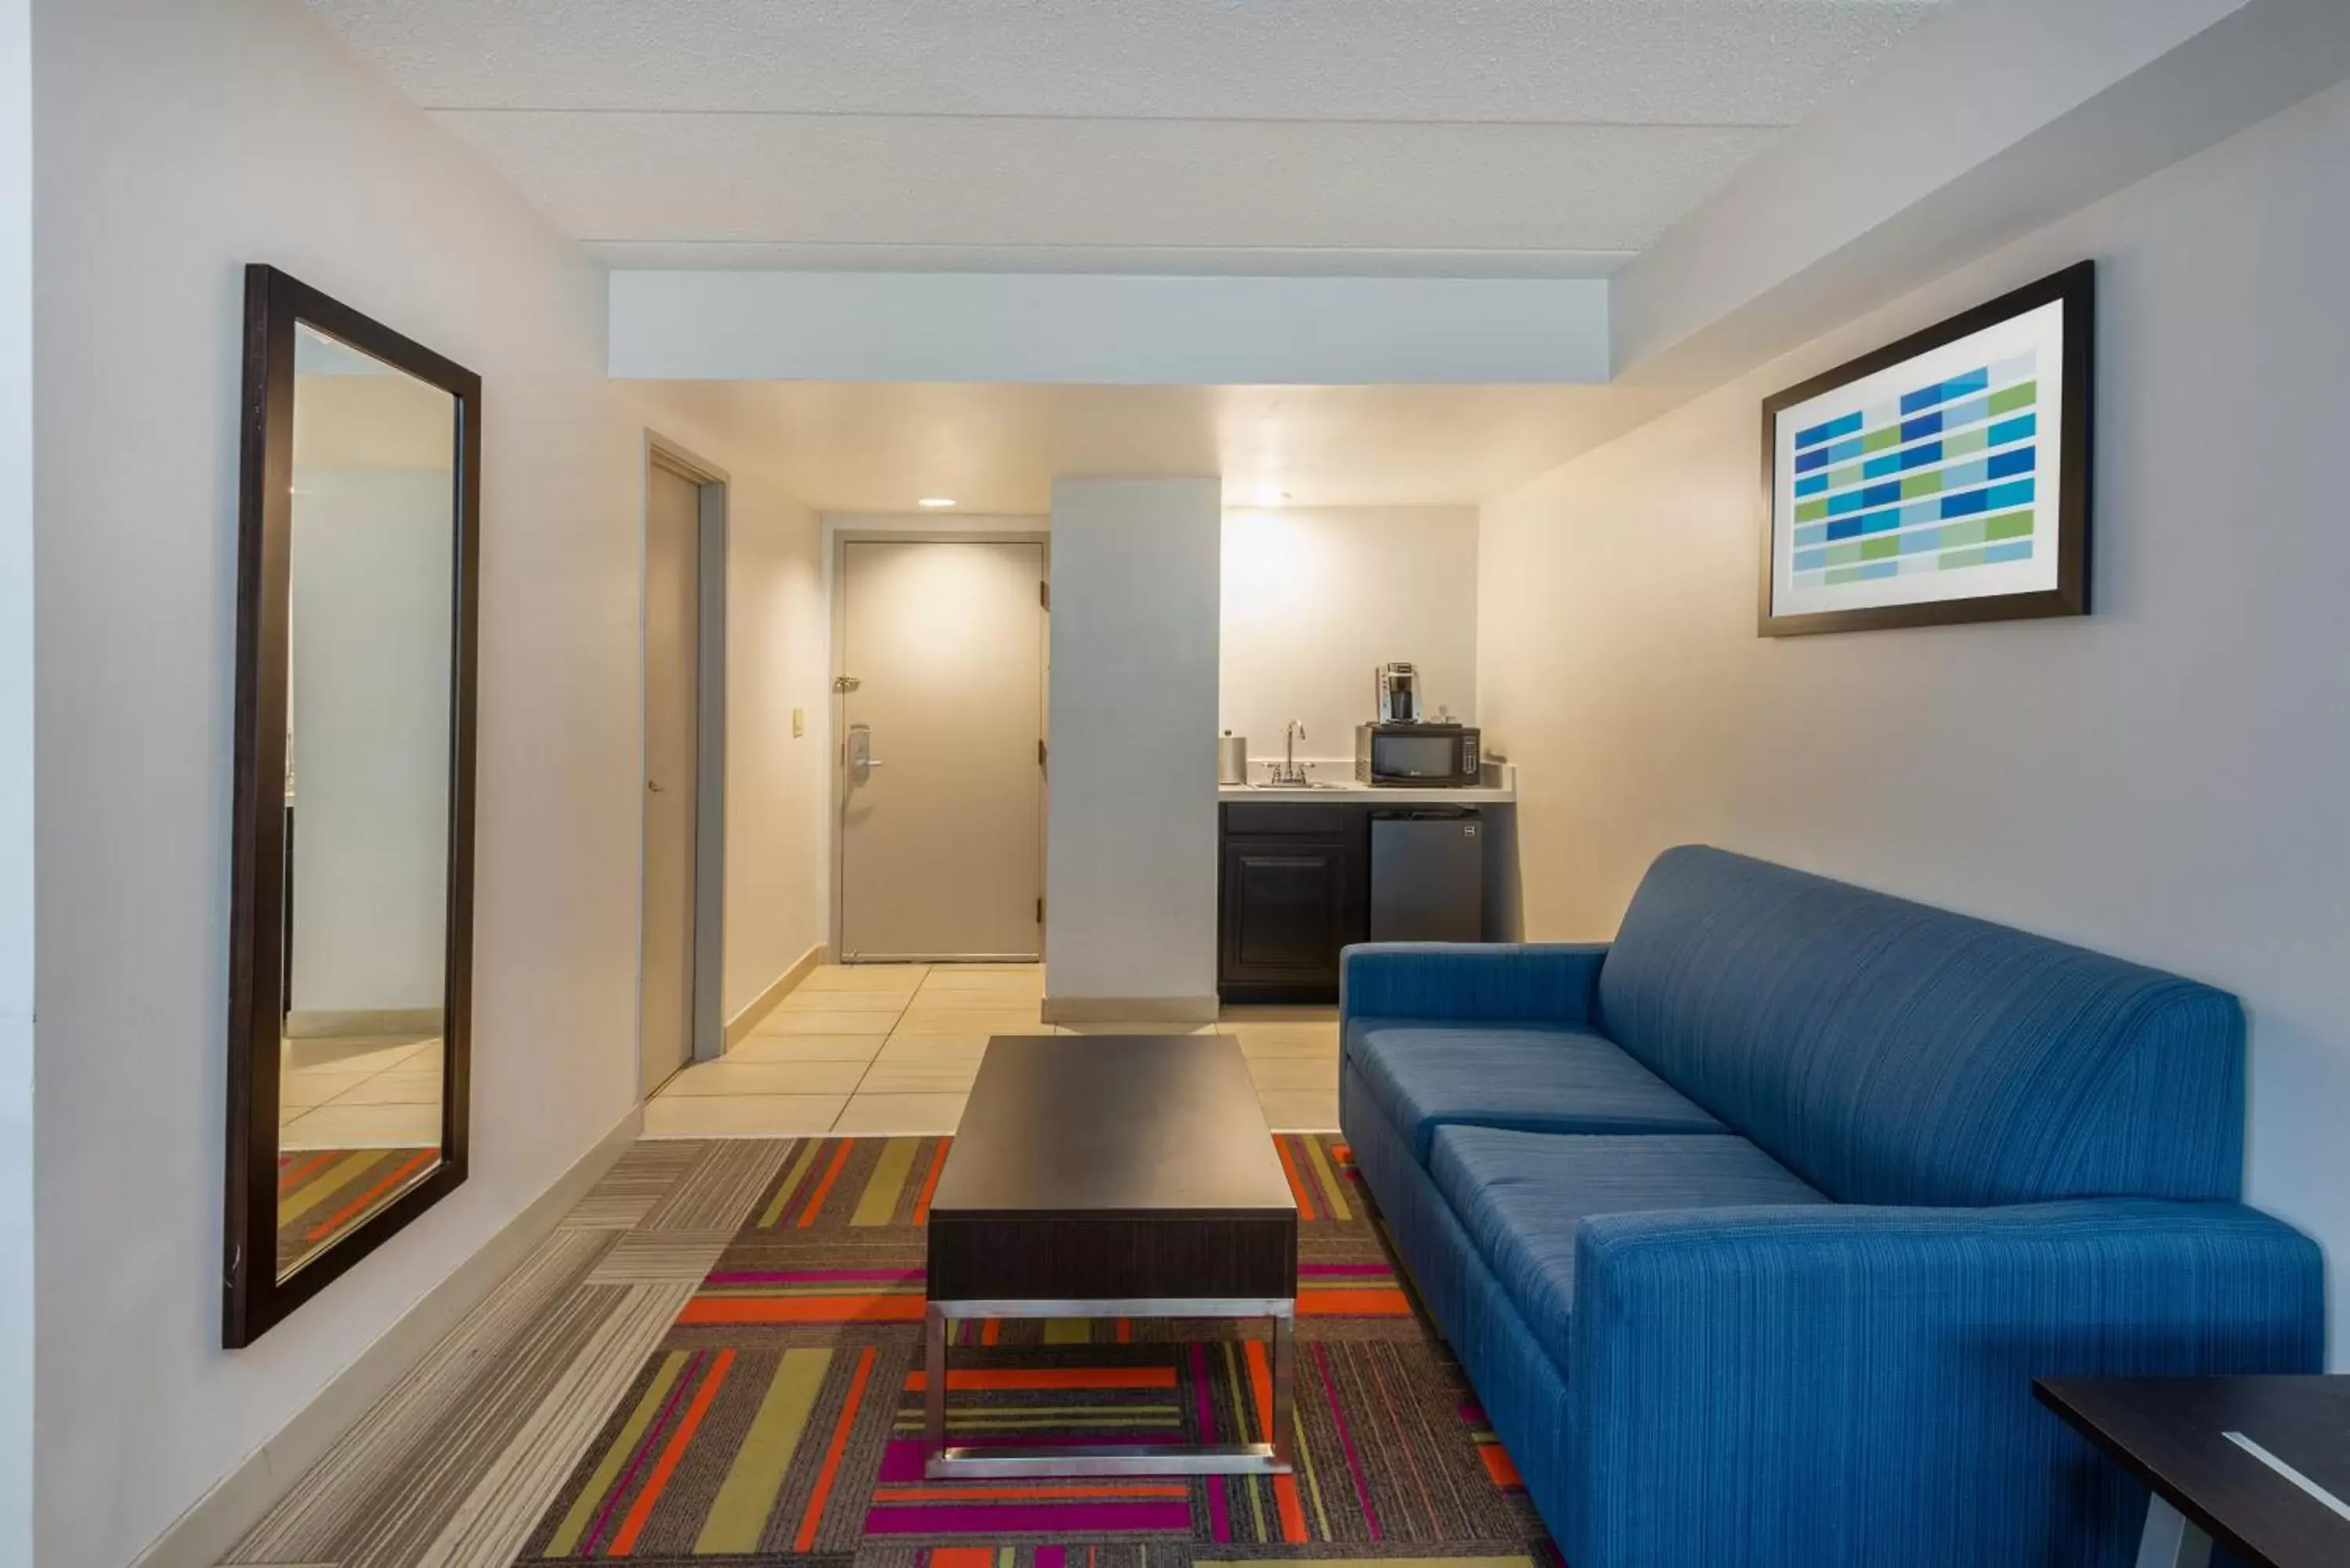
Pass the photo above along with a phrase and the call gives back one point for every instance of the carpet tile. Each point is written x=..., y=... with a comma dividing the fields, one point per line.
x=655, y=1257
x=714, y=1360
x=778, y=1419
x=386, y=1488
x=717, y=1187
x=489, y=1526
x=639, y=1180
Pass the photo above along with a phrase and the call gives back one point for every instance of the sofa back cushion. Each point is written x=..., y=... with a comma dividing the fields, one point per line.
x=1891, y=1053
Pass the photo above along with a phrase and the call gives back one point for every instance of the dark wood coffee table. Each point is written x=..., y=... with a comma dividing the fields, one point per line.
x=2260, y=1463
x=1112, y=1175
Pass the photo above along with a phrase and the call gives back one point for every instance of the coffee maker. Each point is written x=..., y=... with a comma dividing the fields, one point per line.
x=1395, y=695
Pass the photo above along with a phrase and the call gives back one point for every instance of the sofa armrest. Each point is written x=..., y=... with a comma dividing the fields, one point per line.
x=1554, y=982
x=1752, y=1385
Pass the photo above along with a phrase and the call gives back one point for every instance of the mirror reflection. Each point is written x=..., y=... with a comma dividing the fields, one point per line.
x=367, y=792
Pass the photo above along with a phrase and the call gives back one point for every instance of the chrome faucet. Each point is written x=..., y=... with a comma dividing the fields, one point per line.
x=1290, y=772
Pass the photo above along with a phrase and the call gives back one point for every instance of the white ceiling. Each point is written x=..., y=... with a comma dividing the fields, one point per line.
x=1464, y=136
x=881, y=447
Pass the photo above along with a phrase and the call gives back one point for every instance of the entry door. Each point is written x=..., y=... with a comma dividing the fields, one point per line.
x=942, y=771
x=672, y=622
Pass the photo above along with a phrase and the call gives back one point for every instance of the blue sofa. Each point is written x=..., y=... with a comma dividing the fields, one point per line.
x=1753, y=1228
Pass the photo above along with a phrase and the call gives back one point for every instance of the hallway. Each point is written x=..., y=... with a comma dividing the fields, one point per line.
x=873, y=1049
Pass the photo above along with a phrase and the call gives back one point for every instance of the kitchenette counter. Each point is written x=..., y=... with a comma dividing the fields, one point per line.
x=1362, y=794
x=1499, y=788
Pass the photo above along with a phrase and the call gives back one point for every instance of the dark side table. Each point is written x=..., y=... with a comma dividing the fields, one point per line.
x=2260, y=1463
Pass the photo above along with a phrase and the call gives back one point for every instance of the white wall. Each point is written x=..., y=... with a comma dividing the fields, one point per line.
x=2164, y=780
x=1074, y=328
x=777, y=659
x=15, y=782
x=1130, y=835
x=1314, y=599
x=178, y=142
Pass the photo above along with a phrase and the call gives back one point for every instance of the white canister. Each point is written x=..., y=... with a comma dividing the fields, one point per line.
x=1231, y=759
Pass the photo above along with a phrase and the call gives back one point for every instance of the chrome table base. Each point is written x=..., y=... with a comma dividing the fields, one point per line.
x=2171, y=1539
x=941, y=1462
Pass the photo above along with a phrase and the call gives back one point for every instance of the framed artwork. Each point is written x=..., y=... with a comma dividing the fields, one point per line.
x=1944, y=477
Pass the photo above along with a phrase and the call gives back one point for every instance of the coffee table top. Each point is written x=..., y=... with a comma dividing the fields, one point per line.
x=1112, y=1124
x=2219, y=1450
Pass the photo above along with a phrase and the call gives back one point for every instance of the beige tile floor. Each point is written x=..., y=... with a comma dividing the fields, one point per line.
x=375, y=1092
x=892, y=1048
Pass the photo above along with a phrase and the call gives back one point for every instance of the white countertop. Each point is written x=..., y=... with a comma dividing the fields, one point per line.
x=1386, y=795
x=1500, y=788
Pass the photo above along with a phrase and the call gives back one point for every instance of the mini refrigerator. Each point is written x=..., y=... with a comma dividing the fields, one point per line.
x=1427, y=876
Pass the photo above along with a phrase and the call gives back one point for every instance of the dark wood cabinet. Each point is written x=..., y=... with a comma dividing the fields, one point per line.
x=1294, y=887
x=1295, y=879
x=1285, y=907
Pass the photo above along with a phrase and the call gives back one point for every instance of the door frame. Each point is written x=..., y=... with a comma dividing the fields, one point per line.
x=837, y=797
x=708, y=904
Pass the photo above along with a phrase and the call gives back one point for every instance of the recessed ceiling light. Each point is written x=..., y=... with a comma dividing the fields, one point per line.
x=936, y=501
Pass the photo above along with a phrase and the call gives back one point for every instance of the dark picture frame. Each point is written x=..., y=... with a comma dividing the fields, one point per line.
x=2074, y=288
x=254, y=1297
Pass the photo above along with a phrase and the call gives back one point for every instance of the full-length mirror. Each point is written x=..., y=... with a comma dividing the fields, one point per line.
x=352, y=904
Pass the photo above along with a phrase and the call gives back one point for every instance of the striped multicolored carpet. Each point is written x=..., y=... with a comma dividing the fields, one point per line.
x=779, y=1422
x=322, y=1192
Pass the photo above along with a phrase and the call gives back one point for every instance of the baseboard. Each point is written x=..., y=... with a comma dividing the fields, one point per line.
x=739, y=1027
x=220, y=1519
x=327, y=1023
x=1130, y=1009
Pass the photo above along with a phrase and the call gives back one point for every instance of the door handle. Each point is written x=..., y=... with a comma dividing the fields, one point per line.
x=653, y=787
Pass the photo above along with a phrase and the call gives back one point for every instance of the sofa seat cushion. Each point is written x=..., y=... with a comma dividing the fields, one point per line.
x=1530, y=1076
x=1521, y=1196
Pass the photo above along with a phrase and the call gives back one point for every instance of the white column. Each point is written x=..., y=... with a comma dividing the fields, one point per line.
x=1130, y=842
x=15, y=782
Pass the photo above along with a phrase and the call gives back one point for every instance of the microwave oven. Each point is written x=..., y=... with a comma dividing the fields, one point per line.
x=1421, y=754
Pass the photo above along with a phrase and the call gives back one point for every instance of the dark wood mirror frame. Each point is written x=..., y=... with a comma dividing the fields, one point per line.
x=253, y=1298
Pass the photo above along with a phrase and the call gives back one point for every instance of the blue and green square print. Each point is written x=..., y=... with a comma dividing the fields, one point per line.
x=1935, y=480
